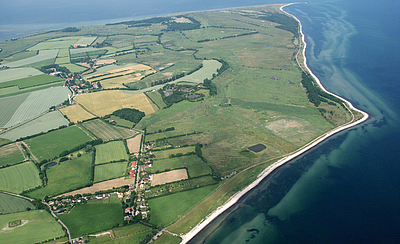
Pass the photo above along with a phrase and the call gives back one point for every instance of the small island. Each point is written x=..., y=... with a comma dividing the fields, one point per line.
x=150, y=129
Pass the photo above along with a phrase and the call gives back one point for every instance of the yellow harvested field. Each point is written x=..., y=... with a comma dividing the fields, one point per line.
x=76, y=113
x=170, y=176
x=105, y=102
x=116, y=77
x=134, y=144
x=10, y=149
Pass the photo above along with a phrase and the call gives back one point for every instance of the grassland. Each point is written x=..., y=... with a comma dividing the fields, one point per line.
x=43, y=100
x=112, y=151
x=18, y=73
x=206, y=72
x=164, y=164
x=164, y=210
x=36, y=226
x=14, y=90
x=122, y=122
x=36, y=80
x=106, y=131
x=167, y=238
x=166, y=153
x=11, y=154
x=11, y=204
x=156, y=98
x=198, y=168
x=85, y=41
x=50, y=145
x=92, y=218
x=106, y=102
x=43, y=56
x=56, y=43
x=76, y=113
x=67, y=176
x=19, y=178
x=44, y=123
x=109, y=171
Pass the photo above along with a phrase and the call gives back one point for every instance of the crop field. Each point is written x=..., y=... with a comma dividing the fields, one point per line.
x=42, y=56
x=164, y=210
x=36, y=80
x=75, y=51
x=122, y=122
x=14, y=90
x=49, y=121
x=11, y=154
x=66, y=177
x=74, y=68
x=21, y=55
x=116, y=77
x=134, y=144
x=92, y=218
x=198, y=168
x=106, y=131
x=170, y=176
x=156, y=98
x=109, y=171
x=18, y=73
x=112, y=151
x=8, y=106
x=105, y=102
x=209, y=68
x=50, y=145
x=10, y=204
x=85, y=41
x=58, y=43
x=19, y=178
x=36, y=226
x=42, y=99
x=76, y=113
x=166, y=153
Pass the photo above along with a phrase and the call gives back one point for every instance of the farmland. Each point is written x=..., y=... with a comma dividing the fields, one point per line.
x=166, y=153
x=44, y=123
x=106, y=131
x=206, y=72
x=43, y=100
x=76, y=113
x=18, y=73
x=50, y=145
x=85, y=41
x=43, y=55
x=19, y=178
x=109, y=171
x=134, y=144
x=112, y=151
x=57, y=43
x=198, y=168
x=105, y=102
x=31, y=81
x=11, y=154
x=8, y=106
x=92, y=218
x=36, y=226
x=164, y=164
x=164, y=210
x=11, y=204
x=121, y=122
x=170, y=176
x=67, y=176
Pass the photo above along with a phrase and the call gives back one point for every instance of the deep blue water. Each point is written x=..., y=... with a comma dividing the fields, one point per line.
x=346, y=190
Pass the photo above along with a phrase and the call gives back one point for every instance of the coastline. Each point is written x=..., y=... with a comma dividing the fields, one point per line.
x=232, y=200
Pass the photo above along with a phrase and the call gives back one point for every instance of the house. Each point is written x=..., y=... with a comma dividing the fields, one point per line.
x=120, y=194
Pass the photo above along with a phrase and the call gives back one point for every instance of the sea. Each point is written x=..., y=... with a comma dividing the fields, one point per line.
x=345, y=190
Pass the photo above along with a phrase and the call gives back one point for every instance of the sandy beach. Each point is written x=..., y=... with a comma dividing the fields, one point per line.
x=188, y=236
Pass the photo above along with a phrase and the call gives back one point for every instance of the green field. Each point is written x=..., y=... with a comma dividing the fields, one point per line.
x=57, y=43
x=122, y=122
x=87, y=40
x=166, y=153
x=43, y=56
x=106, y=131
x=10, y=154
x=43, y=100
x=112, y=151
x=36, y=226
x=8, y=106
x=19, y=178
x=164, y=211
x=44, y=123
x=92, y=218
x=209, y=68
x=74, y=68
x=14, y=90
x=18, y=73
x=36, y=80
x=109, y=171
x=156, y=98
x=193, y=163
x=11, y=204
x=198, y=168
x=50, y=145
x=167, y=238
x=67, y=176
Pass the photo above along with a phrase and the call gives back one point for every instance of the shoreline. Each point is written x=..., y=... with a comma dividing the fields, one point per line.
x=233, y=199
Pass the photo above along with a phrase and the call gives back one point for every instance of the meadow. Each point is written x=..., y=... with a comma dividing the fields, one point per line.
x=156, y=98
x=11, y=154
x=36, y=80
x=105, y=102
x=43, y=56
x=49, y=121
x=206, y=72
x=166, y=153
x=107, y=132
x=11, y=204
x=112, y=151
x=67, y=176
x=51, y=144
x=164, y=210
x=18, y=73
x=14, y=90
x=92, y=218
x=56, y=43
x=19, y=178
x=164, y=164
x=76, y=113
x=122, y=122
x=198, y=168
x=37, y=226
x=85, y=41
x=109, y=171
